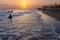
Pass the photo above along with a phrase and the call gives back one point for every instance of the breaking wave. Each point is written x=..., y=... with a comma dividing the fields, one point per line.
x=25, y=26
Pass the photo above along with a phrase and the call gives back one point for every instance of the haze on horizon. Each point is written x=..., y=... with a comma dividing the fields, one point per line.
x=18, y=4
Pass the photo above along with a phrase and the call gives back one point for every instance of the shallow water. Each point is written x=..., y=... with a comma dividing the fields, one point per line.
x=27, y=24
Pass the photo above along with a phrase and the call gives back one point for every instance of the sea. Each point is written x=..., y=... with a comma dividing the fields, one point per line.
x=28, y=25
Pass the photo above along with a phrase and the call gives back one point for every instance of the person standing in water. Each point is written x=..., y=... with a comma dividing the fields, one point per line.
x=10, y=16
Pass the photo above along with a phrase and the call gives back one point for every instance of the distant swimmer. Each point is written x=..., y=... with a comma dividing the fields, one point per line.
x=10, y=16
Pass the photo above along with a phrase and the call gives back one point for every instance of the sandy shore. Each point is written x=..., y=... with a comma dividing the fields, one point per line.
x=54, y=14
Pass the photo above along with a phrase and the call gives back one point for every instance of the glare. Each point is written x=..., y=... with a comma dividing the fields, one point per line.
x=24, y=4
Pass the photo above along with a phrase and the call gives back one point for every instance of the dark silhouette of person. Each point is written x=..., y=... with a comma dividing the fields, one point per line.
x=10, y=16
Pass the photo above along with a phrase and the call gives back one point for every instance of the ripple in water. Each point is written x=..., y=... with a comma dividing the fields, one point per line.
x=28, y=26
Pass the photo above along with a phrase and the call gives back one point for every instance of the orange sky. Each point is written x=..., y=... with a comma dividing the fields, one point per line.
x=27, y=4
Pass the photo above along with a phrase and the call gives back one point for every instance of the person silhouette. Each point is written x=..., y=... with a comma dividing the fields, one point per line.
x=10, y=16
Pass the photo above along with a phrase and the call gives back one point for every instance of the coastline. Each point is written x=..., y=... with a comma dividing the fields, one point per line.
x=55, y=14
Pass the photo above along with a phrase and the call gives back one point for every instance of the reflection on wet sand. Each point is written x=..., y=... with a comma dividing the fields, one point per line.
x=54, y=14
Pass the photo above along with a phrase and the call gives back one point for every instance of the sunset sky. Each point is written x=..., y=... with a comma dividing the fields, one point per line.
x=16, y=4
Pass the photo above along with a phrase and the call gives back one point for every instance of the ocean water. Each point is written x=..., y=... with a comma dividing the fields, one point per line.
x=27, y=25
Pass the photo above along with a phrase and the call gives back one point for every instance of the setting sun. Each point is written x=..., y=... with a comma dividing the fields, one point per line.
x=27, y=4
x=24, y=4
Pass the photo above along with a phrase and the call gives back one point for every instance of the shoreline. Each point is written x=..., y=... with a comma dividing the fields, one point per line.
x=54, y=14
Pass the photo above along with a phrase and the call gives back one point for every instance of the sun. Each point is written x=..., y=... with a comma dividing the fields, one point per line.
x=24, y=4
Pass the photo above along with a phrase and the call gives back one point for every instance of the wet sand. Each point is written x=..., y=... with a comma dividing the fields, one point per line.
x=54, y=14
